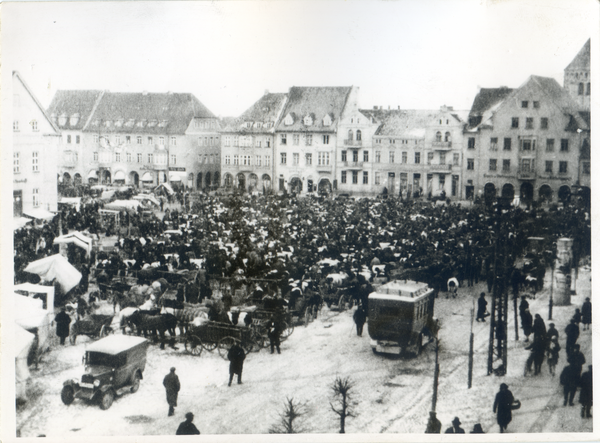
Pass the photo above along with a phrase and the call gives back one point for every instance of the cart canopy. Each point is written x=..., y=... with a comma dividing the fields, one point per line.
x=78, y=239
x=58, y=268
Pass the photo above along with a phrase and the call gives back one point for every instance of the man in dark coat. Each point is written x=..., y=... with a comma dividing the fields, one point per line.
x=526, y=323
x=187, y=427
x=585, y=395
x=434, y=426
x=360, y=316
x=236, y=357
x=569, y=378
x=503, y=406
x=274, y=328
x=481, y=307
x=523, y=305
x=572, y=331
x=552, y=332
x=455, y=428
x=576, y=359
x=172, y=386
x=63, y=321
x=586, y=314
x=539, y=329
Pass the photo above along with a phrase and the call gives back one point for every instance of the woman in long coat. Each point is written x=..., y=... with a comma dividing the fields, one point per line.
x=63, y=321
x=586, y=313
x=502, y=405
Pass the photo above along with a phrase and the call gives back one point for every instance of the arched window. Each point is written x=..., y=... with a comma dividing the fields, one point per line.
x=447, y=137
x=438, y=136
x=359, y=134
x=580, y=89
x=350, y=135
x=589, y=89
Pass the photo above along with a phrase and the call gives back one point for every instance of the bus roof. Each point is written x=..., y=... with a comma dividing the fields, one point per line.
x=404, y=290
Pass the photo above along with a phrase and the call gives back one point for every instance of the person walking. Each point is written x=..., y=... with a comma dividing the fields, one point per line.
x=523, y=305
x=172, y=386
x=572, y=332
x=236, y=357
x=576, y=359
x=586, y=314
x=63, y=320
x=434, y=426
x=526, y=323
x=187, y=427
x=570, y=381
x=481, y=307
x=503, y=406
x=360, y=316
x=539, y=329
x=536, y=357
x=553, y=354
x=274, y=334
x=551, y=332
x=455, y=428
x=585, y=395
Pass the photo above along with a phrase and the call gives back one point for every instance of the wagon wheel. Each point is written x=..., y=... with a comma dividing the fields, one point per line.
x=286, y=331
x=225, y=344
x=341, y=304
x=259, y=339
x=250, y=345
x=307, y=316
x=193, y=345
x=210, y=345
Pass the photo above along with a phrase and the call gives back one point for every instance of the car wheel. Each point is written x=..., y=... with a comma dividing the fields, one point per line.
x=135, y=383
x=67, y=395
x=107, y=400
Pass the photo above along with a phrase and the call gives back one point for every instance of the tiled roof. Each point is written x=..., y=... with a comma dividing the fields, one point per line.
x=318, y=101
x=560, y=97
x=487, y=98
x=266, y=110
x=164, y=113
x=582, y=59
x=17, y=76
x=402, y=122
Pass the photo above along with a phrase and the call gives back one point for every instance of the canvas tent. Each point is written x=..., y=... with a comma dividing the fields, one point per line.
x=39, y=214
x=23, y=342
x=56, y=267
x=78, y=239
x=119, y=205
x=166, y=187
x=31, y=290
x=146, y=197
x=30, y=315
x=20, y=222
x=73, y=201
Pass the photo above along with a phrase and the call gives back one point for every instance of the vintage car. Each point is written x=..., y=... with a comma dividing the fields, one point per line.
x=113, y=365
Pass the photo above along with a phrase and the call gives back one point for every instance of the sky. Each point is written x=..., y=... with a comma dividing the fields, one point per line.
x=419, y=54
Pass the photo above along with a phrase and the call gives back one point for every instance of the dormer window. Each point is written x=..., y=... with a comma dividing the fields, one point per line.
x=74, y=119
x=327, y=120
x=107, y=123
x=258, y=125
x=248, y=125
x=62, y=120
x=141, y=124
x=130, y=123
x=119, y=123
x=308, y=121
x=94, y=122
x=152, y=123
x=289, y=120
x=269, y=124
x=163, y=123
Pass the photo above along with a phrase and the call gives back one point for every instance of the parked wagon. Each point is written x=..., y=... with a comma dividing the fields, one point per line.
x=94, y=326
x=260, y=318
x=213, y=335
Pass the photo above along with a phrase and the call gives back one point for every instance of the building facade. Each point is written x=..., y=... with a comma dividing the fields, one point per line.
x=35, y=147
x=136, y=138
x=248, y=145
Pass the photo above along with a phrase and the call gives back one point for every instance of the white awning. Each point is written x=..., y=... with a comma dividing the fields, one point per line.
x=92, y=174
x=147, y=177
x=119, y=175
x=174, y=178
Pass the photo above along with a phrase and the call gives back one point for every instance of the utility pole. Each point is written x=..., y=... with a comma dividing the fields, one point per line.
x=471, y=339
x=436, y=375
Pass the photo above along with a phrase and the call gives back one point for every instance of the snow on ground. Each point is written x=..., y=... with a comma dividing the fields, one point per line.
x=392, y=395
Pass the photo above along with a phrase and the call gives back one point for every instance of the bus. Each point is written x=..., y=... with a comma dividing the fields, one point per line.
x=400, y=317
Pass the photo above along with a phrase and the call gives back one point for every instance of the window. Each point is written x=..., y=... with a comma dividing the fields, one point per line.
x=129, y=157
x=228, y=159
x=377, y=156
x=505, y=165
x=227, y=140
x=391, y=156
x=117, y=157
x=536, y=105
x=236, y=140
x=128, y=139
x=447, y=137
x=442, y=183
x=350, y=135
x=77, y=139
x=549, y=145
x=296, y=139
x=564, y=145
x=267, y=160
x=36, y=197
x=150, y=140
x=429, y=157
x=95, y=156
x=549, y=166
x=365, y=176
x=343, y=177
x=323, y=159
x=139, y=140
x=150, y=158
x=75, y=157
x=35, y=161
x=258, y=143
x=258, y=161
x=268, y=143
x=417, y=157
x=308, y=139
x=524, y=104
x=139, y=157
x=284, y=139
x=442, y=158
x=117, y=140
x=544, y=123
x=493, y=164
x=527, y=145
x=515, y=122
x=354, y=177
x=358, y=135
x=378, y=178
x=355, y=156
x=494, y=144
x=589, y=89
x=456, y=159
x=296, y=159
x=309, y=159
x=404, y=157
x=586, y=168
x=471, y=143
x=470, y=164
x=562, y=167
x=16, y=125
x=69, y=138
x=34, y=125
x=173, y=141
x=527, y=165
x=16, y=163
x=438, y=136
x=236, y=160
x=211, y=142
x=283, y=158
x=365, y=156
x=173, y=159
x=96, y=138
x=529, y=123
x=580, y=89
x=325, y=139
x=344, y=156
x=245, y=160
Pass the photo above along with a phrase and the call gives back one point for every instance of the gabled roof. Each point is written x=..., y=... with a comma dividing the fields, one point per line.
x=266, y=110
x=69, y=103
x=160, y=113
x=318, y=101
x=402, y=122
x=17, y=76
x=582, y=59
x=486, y=98
x=560, y=97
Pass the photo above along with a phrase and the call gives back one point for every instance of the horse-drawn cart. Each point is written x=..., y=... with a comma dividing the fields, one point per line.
x=260, y=318
x=94, y=326
x=213, y=335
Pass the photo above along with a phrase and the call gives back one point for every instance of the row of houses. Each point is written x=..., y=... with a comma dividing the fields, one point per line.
x=532, y=141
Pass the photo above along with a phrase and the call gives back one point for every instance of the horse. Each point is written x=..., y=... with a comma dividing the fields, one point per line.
x=124, y=315
x=152, y=322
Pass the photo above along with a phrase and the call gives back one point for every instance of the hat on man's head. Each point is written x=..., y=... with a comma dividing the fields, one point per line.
x=456, y=421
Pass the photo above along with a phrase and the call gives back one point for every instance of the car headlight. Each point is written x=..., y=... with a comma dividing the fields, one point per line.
x=75, y=381
x=96, y=383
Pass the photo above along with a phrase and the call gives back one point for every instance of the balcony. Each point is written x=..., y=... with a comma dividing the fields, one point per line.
x=439, y=168
x=441, y=146
x=526, y=174
x=324, y=168
x=352, y=142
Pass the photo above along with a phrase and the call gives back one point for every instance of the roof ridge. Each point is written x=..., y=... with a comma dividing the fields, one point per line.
x=37, y=102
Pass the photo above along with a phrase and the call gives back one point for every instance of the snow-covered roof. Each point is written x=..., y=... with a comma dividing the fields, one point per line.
x=114, y=344
x=402, y=290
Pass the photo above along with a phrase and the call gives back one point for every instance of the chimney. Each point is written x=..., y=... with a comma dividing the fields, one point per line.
x=266, y=92
x=398, y=107
x=389, y=107
x=375, y=107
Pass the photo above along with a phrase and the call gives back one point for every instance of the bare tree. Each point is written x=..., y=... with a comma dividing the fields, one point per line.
x=286, y=424
x=343, y=399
